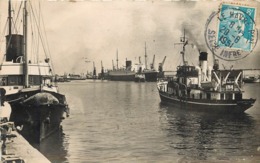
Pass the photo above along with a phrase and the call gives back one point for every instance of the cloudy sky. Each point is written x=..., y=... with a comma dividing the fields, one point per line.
x=95, y=30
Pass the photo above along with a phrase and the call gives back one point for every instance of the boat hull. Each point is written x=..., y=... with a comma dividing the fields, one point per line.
x=37, y=117
x=139, y=79
x=122, y=77
x=231, y=106
x=251, y=80
x=151, y=76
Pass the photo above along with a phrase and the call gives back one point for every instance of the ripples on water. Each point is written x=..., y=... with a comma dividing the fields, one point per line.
x=125, y=122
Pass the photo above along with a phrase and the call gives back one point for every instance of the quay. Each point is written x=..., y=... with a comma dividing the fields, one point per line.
x=14, y=148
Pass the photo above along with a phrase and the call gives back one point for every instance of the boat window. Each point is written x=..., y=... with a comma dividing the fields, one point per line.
x=238, y=96
x=47, y=81
x=222, y=96
x=208, y=96
x=34, y=80
x=229, y=96
x=15, y=80
x=3, y=81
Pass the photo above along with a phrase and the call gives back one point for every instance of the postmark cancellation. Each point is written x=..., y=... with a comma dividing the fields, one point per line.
x=231, y=32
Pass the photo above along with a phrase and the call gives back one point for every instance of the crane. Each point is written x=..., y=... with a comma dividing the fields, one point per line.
x=152, y=64
x=94, y=70
x=161, y=65
x=145, y=55
x=102, y=68
x=160, y=69
x=102, y=71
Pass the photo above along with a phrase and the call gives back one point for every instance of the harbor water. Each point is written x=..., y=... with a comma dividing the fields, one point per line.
x=125, y=122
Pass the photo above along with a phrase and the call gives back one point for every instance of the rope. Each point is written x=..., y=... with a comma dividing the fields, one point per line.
x=5, y=27
x=17, y=17
x=46, y=50
x=15, y=99
x=50, y=63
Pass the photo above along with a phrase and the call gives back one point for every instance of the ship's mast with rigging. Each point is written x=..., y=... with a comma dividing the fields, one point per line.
x=117, y=59
x=183, y=42
x=113, y=67
x=145, y=56
x=9, y=18
x=25, y=67
x=102, y=68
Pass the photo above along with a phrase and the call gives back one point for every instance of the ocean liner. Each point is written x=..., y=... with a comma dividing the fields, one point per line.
x=122, y=74
x=203, y=87
x=37, y=106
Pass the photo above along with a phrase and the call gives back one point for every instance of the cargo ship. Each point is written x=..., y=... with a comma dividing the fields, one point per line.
x=150, y=73
x=205, y=88
x=37, y=106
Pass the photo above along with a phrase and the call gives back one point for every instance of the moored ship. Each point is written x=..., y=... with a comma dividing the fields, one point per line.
x=252, y=79
x=36, y=104
x=150, y=73
x=139, y=76
x=122, y=74
x=203, y=87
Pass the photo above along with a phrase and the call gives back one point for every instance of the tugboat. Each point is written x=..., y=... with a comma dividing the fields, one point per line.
x=37, y=106
x=201, y=87
x=139, y=76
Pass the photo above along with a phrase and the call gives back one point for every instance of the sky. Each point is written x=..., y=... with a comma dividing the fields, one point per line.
x=80, y=31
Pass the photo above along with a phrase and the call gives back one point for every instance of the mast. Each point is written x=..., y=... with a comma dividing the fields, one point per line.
x=102, y=68
x=25, y=67
x=183, y=49
x=145, y=56
x=94, y=69
x=183, y=42
x=9, y=18
x=113, y=67
x=117, y=59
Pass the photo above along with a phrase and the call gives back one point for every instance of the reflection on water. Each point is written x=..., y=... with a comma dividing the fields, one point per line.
x=54, y=147
x=125, y=122
x=209, y=136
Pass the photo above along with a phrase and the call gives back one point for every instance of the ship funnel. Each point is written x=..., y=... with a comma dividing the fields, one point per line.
x=128, y=65
x=14, y=47
x=203, y=65
x=203, y=56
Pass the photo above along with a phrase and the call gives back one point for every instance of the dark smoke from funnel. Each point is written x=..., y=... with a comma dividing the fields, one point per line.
x=195, y=40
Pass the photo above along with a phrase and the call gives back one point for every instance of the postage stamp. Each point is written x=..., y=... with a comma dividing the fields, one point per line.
x=231, y=32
